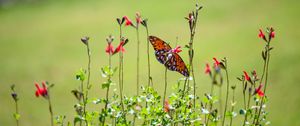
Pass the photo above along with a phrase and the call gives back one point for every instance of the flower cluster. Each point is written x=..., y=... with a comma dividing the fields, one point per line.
x=271, y=34
x=41, y=91
x=176, y=49
x=120, y=48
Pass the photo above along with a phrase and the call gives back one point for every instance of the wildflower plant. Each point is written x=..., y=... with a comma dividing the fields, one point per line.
x=44, y=92
x=15, y=97
x=182, y=106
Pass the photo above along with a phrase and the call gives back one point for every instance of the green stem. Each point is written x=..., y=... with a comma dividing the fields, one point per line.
x=232, y=108
x=88, y=82
x=121, y=72
x=166, y=83
x=266, y=80
x=245, y=104
x=248, y=106
x=184, y=87
x=148, y=57
x=220, y=97
x=137, y=61
x=83, y=99
x=17, y=112
x=227, y=93
x=107, y=90
x=50, y=110
x=206, y=117
x=89, y=70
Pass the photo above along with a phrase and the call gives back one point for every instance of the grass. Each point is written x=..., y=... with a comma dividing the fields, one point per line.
x=41, y=41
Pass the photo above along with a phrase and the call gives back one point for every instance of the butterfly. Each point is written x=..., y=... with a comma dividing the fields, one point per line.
x=164, y=55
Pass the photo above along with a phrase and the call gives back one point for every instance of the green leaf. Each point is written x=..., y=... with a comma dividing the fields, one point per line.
x=17, y=116
x=80, y=75
x=242, y=112
x=77, y=119
x=106, y=84
x=229, y=114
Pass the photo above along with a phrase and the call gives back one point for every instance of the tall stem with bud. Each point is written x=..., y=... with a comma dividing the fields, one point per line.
x=144, y=23
x=266, y=57
x=15, y=98
x=138, y=21
x=85, y=40
x=227, y=91
x=192, y=18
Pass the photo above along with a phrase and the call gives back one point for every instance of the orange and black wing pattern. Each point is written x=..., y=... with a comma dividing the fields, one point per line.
x=175, y=63
x=165, y=56
x=161, y=48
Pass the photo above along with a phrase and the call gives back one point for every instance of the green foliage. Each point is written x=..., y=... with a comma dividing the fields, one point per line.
x=16, y=116
x=81, y=74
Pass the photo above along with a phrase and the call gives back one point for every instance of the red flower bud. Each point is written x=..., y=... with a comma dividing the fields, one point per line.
x=262, y=35
x=207, y=69
x=41, y=91
x=246, y=76
x=109, y=49
x=138, y=18
x=217, y=63
x=120, y=47
x=166, y=106
x=272, y=33
x=259, y=92
x=128, y=22
x=176, y=49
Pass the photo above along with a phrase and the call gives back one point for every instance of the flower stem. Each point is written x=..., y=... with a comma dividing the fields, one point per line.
x=88, y=81
x=260, y=82
x=266, y=80
x=107, y=90
x=121, y=72
x=232, y=107
x=50, y=110
x=166, y=84
x=137, y=60
x=17, y=112
x=227, y=92
x=83, y=99
x=148, y=58
x=191, y=53
x=184, y=87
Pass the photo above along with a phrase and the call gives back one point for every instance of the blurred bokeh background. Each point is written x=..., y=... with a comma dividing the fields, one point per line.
x=40, y=40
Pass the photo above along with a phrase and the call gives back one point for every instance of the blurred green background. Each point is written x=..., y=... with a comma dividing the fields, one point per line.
x=40, y=40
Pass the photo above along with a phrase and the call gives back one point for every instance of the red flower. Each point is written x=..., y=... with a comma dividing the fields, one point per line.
x=217, y=63
x=262, y=35
x=246, y=76
x=207, y=69
x=120, y=47
x=166, y=106
x=190, y=18
x=128, y=22
x=109, y=49
x=259, y=92
x=254, y=75
x=272, y=33
x=176, y=49
x=41, y=91
x=138, y=18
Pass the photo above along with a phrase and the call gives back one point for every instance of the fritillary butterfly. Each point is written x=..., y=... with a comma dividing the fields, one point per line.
x=165, y=56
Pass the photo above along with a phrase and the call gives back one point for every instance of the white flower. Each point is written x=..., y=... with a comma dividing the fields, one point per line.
x=204, y=111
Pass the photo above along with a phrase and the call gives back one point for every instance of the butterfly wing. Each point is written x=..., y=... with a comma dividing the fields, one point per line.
x=175, y=63
x=161, y=48
x=162, y=52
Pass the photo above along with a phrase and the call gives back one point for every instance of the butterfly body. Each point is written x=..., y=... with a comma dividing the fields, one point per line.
x=164, y=55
